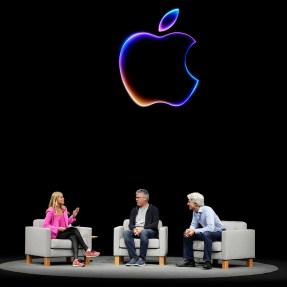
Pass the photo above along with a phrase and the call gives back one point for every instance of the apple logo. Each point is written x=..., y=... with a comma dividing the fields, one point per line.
x=153, y=68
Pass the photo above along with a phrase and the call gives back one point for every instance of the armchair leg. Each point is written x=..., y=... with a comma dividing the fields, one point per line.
x=250, y=262
x=87, y=260
x=47, y=261
x=28, y=259
x=162, y=260
x=119, y=260
x=225, y=264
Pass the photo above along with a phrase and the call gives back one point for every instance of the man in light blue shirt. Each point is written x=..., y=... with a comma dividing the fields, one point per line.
x=205, y=226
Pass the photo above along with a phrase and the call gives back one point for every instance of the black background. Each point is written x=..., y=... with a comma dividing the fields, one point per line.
x=68, y=123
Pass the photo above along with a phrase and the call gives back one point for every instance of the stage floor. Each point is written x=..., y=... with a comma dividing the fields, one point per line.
x=104, y=267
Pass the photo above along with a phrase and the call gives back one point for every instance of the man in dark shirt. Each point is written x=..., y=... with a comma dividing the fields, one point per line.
x=143, y=224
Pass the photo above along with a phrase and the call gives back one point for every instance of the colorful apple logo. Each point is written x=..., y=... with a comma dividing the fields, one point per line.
x=153, y=68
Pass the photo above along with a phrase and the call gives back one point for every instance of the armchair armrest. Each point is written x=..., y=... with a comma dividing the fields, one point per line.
x=86, y=233
x=37, y=241
x=238, y=244
x=118, y=234
x=163, y=240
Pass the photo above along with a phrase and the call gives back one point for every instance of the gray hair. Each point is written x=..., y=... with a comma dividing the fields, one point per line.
x=196, y=198
x=144, y=192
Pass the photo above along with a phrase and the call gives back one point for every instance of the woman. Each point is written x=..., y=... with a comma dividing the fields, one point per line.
x=58, y=220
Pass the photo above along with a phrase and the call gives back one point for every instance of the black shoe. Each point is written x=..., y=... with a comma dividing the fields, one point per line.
x=186, y=263
x=207, y=265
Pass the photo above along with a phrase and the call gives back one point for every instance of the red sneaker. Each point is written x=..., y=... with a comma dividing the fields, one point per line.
x=77, y=263
x=92, y=253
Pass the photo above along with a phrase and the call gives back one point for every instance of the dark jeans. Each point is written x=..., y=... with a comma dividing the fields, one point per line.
x=144, y=237
x=207, y=237
x=75, y=236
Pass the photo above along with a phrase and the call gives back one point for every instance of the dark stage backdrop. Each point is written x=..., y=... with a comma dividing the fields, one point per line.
x=68, y=123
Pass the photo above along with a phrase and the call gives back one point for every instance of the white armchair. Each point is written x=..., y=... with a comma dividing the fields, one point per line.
x=237, y=242
x=38, y=242
x=157, y=246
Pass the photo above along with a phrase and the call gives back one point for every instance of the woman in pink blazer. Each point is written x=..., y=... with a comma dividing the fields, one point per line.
x=58, y=220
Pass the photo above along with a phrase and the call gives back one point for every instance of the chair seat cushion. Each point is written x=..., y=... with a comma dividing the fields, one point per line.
x=199, y=245
x=153, y=243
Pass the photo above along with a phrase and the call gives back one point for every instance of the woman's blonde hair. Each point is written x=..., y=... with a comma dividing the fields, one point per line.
x=54, y=200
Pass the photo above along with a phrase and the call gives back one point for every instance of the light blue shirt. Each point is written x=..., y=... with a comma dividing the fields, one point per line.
x=208, y=219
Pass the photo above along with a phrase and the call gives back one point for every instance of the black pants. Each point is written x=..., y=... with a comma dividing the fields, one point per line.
x=75, y=236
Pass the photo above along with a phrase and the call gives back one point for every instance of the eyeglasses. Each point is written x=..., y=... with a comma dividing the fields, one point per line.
x=137, y=197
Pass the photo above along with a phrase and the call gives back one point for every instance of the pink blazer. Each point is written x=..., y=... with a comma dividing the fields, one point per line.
x=53, y=221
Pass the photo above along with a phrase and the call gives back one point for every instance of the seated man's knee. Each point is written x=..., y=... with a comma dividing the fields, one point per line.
x=206, y=234
x=127, y=233
x=144, y=232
